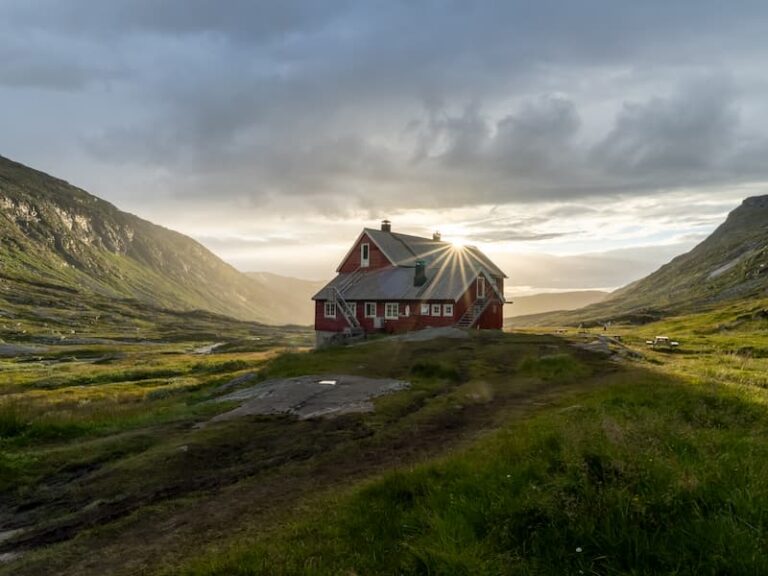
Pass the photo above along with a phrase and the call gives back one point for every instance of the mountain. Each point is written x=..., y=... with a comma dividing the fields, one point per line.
x=550, y=302
x=731, y=264
x=55, y=235
x=293, y=296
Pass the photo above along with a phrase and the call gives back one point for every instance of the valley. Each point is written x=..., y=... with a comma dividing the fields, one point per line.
x=552, y=302
x=383, y=288
x=153, y=419
x=507, y=453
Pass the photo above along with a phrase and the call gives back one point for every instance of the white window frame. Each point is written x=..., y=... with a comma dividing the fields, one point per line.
x=365, y=255
x=329, y=309
x=481, y=284
x=368, y=305
x=425, y=309
x=437, y=310
x=447, y=309
x=388, y=310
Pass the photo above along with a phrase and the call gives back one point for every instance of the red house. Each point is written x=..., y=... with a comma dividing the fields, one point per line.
x=390, y=282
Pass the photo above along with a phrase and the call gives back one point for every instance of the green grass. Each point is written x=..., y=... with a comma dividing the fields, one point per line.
x=79, y=432
x=661, y=470
x=509, y=454
x=644, y=477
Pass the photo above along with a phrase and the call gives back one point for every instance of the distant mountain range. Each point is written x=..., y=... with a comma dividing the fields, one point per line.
x=292, y=298
x=550, y=302
x=57, y=235
x=731, y=264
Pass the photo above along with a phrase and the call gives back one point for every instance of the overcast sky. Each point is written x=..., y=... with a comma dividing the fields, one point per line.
x=582, y=144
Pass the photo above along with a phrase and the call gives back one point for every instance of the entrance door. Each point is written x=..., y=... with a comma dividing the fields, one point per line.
x=480, y=287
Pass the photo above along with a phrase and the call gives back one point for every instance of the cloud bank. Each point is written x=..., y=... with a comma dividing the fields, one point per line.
x=298, y=109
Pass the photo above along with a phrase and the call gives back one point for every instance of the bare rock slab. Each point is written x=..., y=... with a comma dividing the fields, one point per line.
x=310, y=396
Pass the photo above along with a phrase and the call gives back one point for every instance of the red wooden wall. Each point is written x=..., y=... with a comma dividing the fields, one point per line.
x=376, y=257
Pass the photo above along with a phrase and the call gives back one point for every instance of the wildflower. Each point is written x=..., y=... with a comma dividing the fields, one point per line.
x=578, y=549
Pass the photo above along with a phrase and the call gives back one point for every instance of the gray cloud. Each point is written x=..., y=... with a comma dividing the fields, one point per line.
x=686, y=138
x=396, y=104
x=241, y=19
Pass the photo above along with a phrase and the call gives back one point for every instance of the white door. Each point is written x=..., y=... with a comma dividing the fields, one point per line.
x=480, y=287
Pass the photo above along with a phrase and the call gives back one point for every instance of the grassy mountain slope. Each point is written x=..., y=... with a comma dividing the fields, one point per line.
x=56, y=234
x=731, y=264
x=540, y=303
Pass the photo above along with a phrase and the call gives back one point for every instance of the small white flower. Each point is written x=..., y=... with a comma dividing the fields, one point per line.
x=578, y=549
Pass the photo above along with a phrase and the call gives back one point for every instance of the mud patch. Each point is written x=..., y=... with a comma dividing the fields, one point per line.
x=310, y=396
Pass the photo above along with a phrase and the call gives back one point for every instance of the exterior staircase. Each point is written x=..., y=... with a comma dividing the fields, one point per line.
x=355, y=330
x=345, y=309
x=474, y=312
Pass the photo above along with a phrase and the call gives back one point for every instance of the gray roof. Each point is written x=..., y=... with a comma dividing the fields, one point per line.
x=404, y=249
x=449, y=271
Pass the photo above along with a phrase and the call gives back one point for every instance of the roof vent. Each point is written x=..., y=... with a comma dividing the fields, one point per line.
x=386, y=226
x=436, y=236
x=420, y=273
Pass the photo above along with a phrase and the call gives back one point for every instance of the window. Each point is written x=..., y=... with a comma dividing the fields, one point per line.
x=391, y=310
x=370, y=309
x=447, y=309
x=436, y=309
x=330, y=310
x=481, y=286
x=365, y=255
x=352, y=308
x=425, y=309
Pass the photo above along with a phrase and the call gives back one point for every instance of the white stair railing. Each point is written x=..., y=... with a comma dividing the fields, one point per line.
x=474, y=311
x=346, y=310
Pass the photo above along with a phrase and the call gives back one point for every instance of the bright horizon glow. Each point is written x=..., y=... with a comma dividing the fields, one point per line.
x=273, y=136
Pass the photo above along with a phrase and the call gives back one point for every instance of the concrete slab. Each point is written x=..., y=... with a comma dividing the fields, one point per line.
x=310, y=396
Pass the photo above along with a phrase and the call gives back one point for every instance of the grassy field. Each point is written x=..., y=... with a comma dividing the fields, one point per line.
x=510, y=454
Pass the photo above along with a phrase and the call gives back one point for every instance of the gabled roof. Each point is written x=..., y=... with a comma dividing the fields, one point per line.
x=449, y=270
x=404, y=250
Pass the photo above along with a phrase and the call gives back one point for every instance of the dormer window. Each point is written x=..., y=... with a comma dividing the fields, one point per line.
x=365, y=255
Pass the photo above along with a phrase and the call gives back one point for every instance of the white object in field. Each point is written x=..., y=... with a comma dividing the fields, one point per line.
x=663, y=342
x=327, y=382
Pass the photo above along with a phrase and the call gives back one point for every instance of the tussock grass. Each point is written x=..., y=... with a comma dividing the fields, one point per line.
x=551, y=367
x=646, y=476
x=509, y=454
